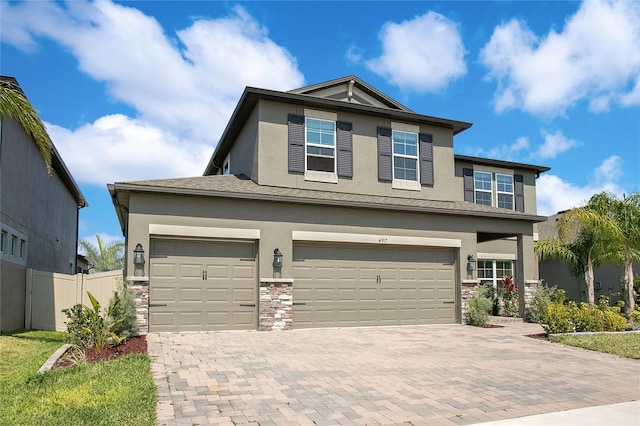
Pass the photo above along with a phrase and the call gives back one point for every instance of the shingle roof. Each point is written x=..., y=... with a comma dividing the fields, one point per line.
x=241, y=187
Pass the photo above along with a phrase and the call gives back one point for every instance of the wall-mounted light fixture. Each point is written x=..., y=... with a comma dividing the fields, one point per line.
x=138, y=259
x=471, y=263
x=277, y=258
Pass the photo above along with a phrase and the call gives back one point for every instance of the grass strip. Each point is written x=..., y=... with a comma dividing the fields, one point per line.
x=622, y=344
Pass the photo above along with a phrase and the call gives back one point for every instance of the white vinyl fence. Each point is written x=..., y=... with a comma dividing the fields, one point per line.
x=49, y=293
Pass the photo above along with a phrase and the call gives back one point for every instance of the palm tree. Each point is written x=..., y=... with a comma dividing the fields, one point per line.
x=14, y=104
x=625, y=214
x=583, y=241
x=104, y=257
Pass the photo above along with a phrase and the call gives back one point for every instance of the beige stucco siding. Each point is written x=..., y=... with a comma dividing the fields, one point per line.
x=243, y=155
x=276, y=222
x=273, y=135
x=528, y=176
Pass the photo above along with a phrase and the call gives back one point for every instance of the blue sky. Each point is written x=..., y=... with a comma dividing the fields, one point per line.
x=143, y=90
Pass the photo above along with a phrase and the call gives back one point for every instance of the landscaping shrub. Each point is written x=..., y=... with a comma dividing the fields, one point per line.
x=509, y=296
x=541, y=299
x=493, y=295
x=614, y=320
x=122, y=306
x=78, y=321
x=478, y=308
x=559, y=318
x=588, y=318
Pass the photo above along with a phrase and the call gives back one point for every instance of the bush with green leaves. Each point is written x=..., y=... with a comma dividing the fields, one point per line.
x=588, y=318
x=478, y=307
x=78, y=321
x=122, y=307
x=492, y=294
x=509, y=296
x=614, y=319
x=541, y=299
x=559, y=317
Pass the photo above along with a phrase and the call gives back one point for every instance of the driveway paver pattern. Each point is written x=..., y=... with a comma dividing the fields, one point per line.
x=420, y=375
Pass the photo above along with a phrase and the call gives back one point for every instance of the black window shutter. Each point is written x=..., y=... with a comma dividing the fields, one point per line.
x=468, y=184
x=426, y=159
x=519, y=192
x=296, y=143
x=345, y=148
x=384, y=154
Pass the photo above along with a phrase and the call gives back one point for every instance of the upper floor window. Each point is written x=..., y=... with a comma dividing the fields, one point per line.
x=494, y=189
x=3, y=241
x=320, y=136
x=504, y=191
x=23, y=249
x=320, y=146
x=405, y=155
x=14, y=243
x=482, y=184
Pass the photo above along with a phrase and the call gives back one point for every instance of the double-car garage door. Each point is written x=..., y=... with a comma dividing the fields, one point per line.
x=344, y=285
x=213, y=285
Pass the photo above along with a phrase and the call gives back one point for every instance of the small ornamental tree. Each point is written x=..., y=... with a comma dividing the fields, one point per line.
x=509, y=296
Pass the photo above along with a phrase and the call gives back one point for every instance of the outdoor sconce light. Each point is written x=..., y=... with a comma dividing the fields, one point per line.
x=138, y=257
x=277, y=258
x=471, y=263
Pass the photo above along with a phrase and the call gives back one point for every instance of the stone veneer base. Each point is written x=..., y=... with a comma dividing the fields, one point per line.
x=276, y=302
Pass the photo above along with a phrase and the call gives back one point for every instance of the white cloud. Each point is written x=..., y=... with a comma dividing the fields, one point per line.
x=596, y=57
x=424, y=54
x=508, y=152
x=184, y=88
x=555, y=194
x=554, y=144
x=118, y=148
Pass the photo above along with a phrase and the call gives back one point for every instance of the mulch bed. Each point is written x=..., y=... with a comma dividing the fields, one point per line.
x=133, y=345
x=540, y=336
x=489, y=326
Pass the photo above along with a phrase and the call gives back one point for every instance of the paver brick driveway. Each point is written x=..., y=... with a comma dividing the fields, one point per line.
x=449, y=374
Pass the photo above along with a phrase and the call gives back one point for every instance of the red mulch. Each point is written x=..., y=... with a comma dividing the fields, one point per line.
x=540, y=336
x=133, y=345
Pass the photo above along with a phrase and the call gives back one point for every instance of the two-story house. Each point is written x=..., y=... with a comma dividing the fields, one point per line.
x=330, y=205
x=39, y=215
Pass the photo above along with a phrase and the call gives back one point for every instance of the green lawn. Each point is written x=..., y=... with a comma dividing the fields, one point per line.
x=107, y=393
x=622, y=344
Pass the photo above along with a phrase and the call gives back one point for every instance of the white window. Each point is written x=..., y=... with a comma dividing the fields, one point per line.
x=504, y=191
x=405, y=156
x=482, y=184
x=320, y=139
x=492, y=271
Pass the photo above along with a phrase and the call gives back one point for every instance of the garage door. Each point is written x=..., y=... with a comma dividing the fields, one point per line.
x=202, y=285
x=340, y=286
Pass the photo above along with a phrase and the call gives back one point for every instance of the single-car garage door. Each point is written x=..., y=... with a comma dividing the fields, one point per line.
x=342, y=285
x=202, y=285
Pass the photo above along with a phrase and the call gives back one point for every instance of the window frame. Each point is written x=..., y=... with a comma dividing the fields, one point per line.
x=3, y=240
x=395, y=155
x=23, y=249
x=512, y=193
x=307, y=144
x=495, y=277
x=476, y=190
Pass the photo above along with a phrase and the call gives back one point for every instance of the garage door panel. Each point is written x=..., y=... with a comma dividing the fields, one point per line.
x=392, y=285
x=184, y=298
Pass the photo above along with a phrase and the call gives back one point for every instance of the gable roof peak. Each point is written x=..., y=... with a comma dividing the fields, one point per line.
x=353, y=90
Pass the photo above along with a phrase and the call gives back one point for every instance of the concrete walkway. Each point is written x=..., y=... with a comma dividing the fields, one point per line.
x=420, y=375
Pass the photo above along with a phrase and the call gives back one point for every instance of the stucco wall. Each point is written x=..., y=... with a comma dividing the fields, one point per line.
x=276, y=221
x=273, y=137
x=37, y=207
x=36, y=204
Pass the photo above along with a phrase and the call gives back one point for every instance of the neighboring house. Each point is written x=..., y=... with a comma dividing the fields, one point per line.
x=38, y=218
x=329, y=205
x=608, y=278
